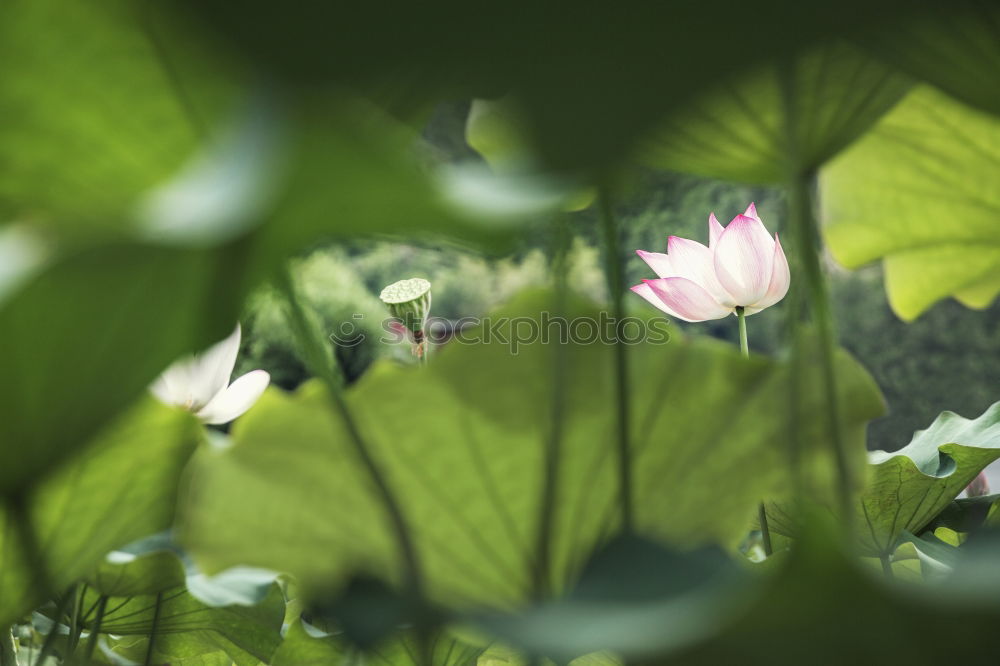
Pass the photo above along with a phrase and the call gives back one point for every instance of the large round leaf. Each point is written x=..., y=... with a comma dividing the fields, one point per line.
x=92, y=117
x=120, y=488
x=591, y=82
x=920, y=191
x=92, y=332
x=794, y=115
x=908, y=488
x=461, y=444
x=825, y=611
x=184, y=627
x=953, y=46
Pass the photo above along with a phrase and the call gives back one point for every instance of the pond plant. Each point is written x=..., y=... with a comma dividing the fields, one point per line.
x=546, y=487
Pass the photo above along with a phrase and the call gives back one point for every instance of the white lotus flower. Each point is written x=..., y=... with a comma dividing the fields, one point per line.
x=200, y=383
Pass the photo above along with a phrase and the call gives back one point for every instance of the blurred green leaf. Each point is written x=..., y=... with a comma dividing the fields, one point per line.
x=825, y=611
x=460, y=442
x=187, y=628
x=146, y=120
x=92, y=332
x=364, y=612
x=920, y=192
x=91, y=115
x=908, y=488
x=936, y=557
x=308, y=647
x=299, y=648
x=495, y=129
x=591, y=83
x=740, y=130
x=120, y=488
x=147, y=573
x=634, y=598
x=135, y=307
x=500, y=655
x=354, y=172
x=953, y=46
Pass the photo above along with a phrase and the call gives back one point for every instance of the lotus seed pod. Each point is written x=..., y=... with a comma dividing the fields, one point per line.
x=410, y=302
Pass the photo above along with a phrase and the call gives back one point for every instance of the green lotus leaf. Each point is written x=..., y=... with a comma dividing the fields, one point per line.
x=739, y=130
x=460, y=444
x=121, y=487
x=908, y=489
x=919, y=192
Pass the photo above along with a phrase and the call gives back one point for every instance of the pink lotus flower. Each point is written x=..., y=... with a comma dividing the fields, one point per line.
x=741, y=267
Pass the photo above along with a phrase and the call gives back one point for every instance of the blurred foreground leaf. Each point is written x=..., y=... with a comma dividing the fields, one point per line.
x=91, y=333
x=120, y=488
x=825, y=611
x=302, y=648
x=920, y=191
x=461, y=443
x=145, y=125
x=740, y=129
x=91, y=115
x=634, y=598
x=591, y=83
x=953, y=46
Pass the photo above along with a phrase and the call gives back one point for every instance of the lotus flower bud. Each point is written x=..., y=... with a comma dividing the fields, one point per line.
x=409, y=301
x=979, y=486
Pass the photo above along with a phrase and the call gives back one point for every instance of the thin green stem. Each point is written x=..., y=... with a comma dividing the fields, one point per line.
x=808, y=250
x=423, y=347
x=31, y=550
x=322, y=364
x=742, y=318
x=152, y=631
x=886, y=561
x=8, y=648
x=614, y=274
x=765, y=530
x=95, y=631
x=793, y=315
x=75, y=621
x=50, y=640
x=808, y=246
x=553, y=442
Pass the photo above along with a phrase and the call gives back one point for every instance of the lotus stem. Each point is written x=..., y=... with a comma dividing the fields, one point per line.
x=8, y=648
x=553, y=443
x=34, y=560
x=50, y=639
x=322, y=364
x=765, y=531
x=95, y=632
x=807, y=242
x=152, y=631
x=616, y=290
x=886, y=560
